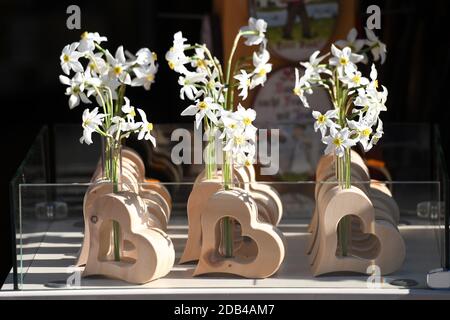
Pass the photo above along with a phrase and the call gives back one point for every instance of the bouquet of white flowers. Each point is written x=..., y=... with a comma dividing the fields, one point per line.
x=96, y=73
x=211, y=91
x=105, y=77
x=357, y=100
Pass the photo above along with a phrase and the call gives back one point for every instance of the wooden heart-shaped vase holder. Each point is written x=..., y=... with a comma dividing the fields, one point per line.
x=259, y=258
x=142, y=211
x=255, y=208
x=374, y=238
x=267, y=199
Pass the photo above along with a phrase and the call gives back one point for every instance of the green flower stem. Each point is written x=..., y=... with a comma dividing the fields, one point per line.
x=211, y=166
x=228, y=69
x=112, y=173
x=227, y=234
x=120, y=97
x=343, y=164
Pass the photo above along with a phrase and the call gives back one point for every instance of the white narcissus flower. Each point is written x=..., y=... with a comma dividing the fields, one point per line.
x=97, y=65
x=128, y=110
x=257, y=28
x=338, y=141
x=123, y=125
x=175, y=56
x=200, y=61
x=325, y=121
x=146, y=128
x=88, y=40
x=378, y=133
x=145, y=57
x=75, y=89
x=189, y=84
x=363, y=131
x=176, y=60
x=351, y=41
x=262, y=68
x=91, y=121
x=314, y=67
x=145, y=76
x=246, y=117
x=178, y=41
x=245, y=83
x=239, y=141
x=302, y=87
x=354, y=79
x=215, y=87
x=112, y=83
x=244, y=160
x=378, y=48
x=230, y=123
x=69, y=59
x=119, y=66
x=373, y=77
x=377, y=103
x=202, y=108
x=344, y=59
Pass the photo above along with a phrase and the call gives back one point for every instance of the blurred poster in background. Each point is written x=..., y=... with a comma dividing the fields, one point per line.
x=297, y=28
x=279, y=108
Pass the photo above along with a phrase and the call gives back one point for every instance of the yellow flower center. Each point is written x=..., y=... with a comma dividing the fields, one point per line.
x=356, y=79
x=376, y=84
x=366, y=132
x=66, y=58
x=201, y=64
x=86, y=122
x=238, y=140
x=262, y=72
x=117, y=70
x=150, y=77
x=154, y=56
x=202, y=105
x=296, y=91
x=249, y=82
x=337, y=142
x=149, y=126
x=247, y=163
x=171, y=65
x=321, y=119
x=132, y=113
x=343, y=61
x=233, y=126
x=84, y=35
x=247, y=121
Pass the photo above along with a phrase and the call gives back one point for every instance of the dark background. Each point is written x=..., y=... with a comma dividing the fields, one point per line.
x=32, y=34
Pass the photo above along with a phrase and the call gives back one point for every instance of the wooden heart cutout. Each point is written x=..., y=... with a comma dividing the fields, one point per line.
x=147, y=253
x=325, y=172
x=321, y=189
x=133, y=172
x=94, y=191
x=387, y=252
x=268, y=202
x=266, y=197
x=201, y=191
x=239, y=205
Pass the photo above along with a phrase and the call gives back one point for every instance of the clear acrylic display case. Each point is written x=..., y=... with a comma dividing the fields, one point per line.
x=49, y=186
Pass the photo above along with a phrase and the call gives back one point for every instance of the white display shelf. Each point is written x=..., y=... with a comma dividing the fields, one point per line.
x=57, y=248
